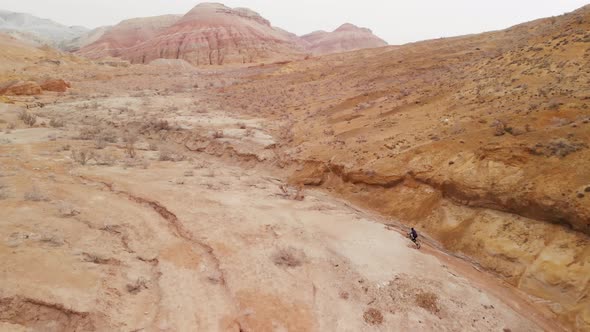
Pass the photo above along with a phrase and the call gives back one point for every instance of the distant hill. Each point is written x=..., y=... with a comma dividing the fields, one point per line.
x=347, y=37
x=38, y=30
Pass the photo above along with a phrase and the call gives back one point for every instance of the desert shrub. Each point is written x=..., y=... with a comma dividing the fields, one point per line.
x=105, y=159
x=137, y=286
x=166, y=154
x=56, y=123
x=107, y=135
x=35, y=195
x=288, y=257
x=66, y=209
x=130, y=139
x=373, y=316
x=155, y=125
x=82, y=156
x=428, y=301
x=100, y=144
x=218, y=134
x=11, y=126
x=553, y=105
x=295, y=193
x=28, y=118
x=3, y=191
x=560, y=147
x=89, y=133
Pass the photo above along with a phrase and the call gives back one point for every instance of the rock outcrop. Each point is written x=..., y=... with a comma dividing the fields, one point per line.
x=20, y=88
x=117, y=40
x=55, y=85
x=213, y=34
x=347, y=37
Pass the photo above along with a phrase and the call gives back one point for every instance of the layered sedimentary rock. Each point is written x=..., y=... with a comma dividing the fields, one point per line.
x=117, y=40
x=213, y=34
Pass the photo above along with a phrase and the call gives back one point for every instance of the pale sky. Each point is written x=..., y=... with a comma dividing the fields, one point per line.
x=393, y=20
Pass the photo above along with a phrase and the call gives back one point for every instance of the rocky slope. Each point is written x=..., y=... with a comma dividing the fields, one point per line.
x=347, y=37
x=481, y=141
x=213, y=34
x=38, y=30
x=84, y=39
x=117, y=40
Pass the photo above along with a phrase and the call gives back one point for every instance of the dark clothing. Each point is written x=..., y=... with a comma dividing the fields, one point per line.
x=413, y=234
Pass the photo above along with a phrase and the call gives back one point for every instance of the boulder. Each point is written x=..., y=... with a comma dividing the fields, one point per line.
x=55, y=85
x=20, y=88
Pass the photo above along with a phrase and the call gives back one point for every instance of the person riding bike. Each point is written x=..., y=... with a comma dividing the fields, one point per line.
x=413, y=235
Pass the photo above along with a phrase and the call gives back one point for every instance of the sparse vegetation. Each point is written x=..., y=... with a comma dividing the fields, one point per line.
x=27, y=118
x=560, y=147
x=35, y=195
x=56, y=123
x=130, y=139
x=288, y=257
x=428, y=301
x=83, y=156
x=3, y=191
x=137, y=286
x=373, y=316
x=218, y=134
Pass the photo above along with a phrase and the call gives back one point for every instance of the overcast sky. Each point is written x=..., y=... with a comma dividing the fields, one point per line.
x=395, y=21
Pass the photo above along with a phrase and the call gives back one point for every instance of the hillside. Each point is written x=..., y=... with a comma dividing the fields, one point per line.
x=482, y=141
x=213, y=34
x=38, y=30
x=117, y=40
x=347, y=37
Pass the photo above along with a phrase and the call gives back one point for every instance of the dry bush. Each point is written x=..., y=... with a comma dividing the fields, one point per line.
x=288, y=257
x=66, y=209
x=105, y=159
x=3, y=191
x=100, y=144
x=218, y=134
x=28, y=118
x=560, y=147
x=137, y=286
x=294, y=193
x=11, y=126
x=166, y=154
x=57, y=123
x=82, y=157
x=136, y=162
x=89, y=133
x=35, y=195
x=130, y=139
x=428, y=301
x=373, y=316
x=155, y=125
